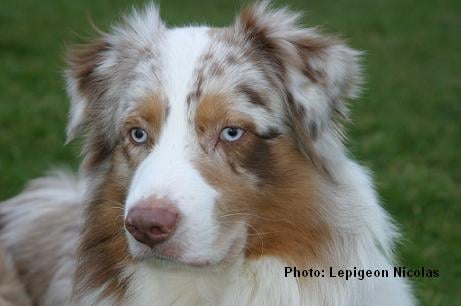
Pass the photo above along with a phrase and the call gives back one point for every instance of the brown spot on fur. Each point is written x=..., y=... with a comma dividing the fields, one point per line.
x=150, y=115
x=103, y=250
x=153, y=110
x=211, y=110
x=253, y=95
x=213, y=113
x=257, y=159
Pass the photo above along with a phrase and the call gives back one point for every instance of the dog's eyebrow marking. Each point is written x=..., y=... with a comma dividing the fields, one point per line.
x=253, y=96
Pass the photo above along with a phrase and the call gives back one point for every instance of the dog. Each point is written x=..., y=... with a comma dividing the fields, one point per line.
x=214, y=171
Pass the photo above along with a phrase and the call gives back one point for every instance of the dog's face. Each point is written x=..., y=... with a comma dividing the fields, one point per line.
x=201, y=142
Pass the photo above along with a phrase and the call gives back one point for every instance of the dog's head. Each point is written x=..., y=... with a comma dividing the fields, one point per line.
x=205, y=144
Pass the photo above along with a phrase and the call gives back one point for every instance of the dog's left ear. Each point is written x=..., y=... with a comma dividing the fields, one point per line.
x=319, y=73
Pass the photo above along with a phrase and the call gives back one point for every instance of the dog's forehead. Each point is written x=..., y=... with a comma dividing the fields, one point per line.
x=191, y=64
x=180, y=55
x=199, y=62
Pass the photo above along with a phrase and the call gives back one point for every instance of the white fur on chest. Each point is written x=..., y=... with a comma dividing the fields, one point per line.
x=258, y=282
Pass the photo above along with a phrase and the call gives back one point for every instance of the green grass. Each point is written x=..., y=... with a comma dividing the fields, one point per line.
x=406, y=127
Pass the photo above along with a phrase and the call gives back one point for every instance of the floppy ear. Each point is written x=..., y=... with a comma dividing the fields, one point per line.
x=318, y=72
x=96, y=68
x=83, y=83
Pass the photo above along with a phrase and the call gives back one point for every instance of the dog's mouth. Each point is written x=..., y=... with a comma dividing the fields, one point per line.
x=154, y=256
x=169, y=254
x=162, y=260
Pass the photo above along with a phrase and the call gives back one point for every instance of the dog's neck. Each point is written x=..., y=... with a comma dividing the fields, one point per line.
x=245, y=282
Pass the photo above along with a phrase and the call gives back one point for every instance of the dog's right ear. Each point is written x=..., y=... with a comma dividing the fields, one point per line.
x=95, y=67
x=84, y=85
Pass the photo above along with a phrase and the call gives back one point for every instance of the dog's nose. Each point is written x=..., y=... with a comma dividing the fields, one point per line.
x=152, y=222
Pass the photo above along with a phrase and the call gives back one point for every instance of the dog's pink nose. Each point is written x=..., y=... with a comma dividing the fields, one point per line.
x=152, y=221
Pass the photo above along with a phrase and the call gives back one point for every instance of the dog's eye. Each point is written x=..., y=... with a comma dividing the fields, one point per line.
x=138, y=135
x=231, y=134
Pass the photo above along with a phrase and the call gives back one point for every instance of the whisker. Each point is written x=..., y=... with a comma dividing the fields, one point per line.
x=260, y=233
x=256, y=231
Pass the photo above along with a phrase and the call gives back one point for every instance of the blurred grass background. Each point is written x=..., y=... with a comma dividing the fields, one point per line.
x=406, y=127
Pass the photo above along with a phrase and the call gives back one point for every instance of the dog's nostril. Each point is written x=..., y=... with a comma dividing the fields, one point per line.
x=151, y=225
x=132, y=229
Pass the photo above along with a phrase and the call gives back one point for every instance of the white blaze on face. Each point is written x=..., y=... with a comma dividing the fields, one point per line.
x=168, y=170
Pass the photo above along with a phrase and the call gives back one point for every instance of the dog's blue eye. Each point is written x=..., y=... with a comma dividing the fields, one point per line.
x=138, y=135
x=231, y=134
